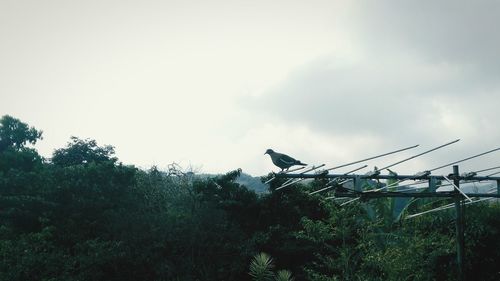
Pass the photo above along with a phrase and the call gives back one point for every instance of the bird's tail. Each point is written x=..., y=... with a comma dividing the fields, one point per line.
x=300, y=163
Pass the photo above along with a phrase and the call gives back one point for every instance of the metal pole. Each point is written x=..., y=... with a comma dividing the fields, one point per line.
x=462, y=160
x=432, y=184
x=380, y=177
x=373, y=157
x=459, y=224
x=420, y=154
x=489, y=169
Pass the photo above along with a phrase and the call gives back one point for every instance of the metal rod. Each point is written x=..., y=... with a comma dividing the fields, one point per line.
x=345, y=203
x=335, y=198
x=323, y=189
x=387, y=186
x=335, y=179
x=303, y=172
x=459, y=222
x=380, y=177
x=412, y=188
x=373, y=157
x=350, y=172
x=420, y=154
x=489, y=169
x=328, y=187
x=465, y=159
x=289, y=171
x=313, y=168
x=442, y=208
x=457, y=188
x=400, y=181
x=395, y=194
x=493, y=174
x=288, y=183
x=445, y=207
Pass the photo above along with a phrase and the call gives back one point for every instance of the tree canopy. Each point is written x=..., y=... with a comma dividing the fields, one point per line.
x=83, y=215
x=16, y=134
x=80, y=151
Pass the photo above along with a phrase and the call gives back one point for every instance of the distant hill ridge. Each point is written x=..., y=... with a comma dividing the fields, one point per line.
x=252, y=183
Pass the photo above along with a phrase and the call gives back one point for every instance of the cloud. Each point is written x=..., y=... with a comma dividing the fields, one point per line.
x=326, y=81
x=370, y=97
x=415, y=56
x=462, y=32
x=420, y=73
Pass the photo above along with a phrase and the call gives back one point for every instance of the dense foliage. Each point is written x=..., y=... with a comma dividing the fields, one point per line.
x=83, y=215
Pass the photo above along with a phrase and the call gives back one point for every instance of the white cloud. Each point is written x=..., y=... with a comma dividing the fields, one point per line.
x=214, y=84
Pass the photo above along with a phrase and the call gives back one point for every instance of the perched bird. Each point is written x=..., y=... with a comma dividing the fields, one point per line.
x=282, y=160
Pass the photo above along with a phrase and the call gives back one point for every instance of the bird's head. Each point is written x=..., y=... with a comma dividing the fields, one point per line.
x=269, y=151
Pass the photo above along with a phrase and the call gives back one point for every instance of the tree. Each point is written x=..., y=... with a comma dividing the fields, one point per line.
x=20, y=166
x=15, y=134
x=80, y=151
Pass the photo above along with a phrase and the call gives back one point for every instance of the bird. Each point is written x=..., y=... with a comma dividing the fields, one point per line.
x=283, y=161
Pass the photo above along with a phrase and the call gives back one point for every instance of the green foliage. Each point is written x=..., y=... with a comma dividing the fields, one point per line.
x=261, y=269
x=283, y=275
x=15, y=157
x=16, y=134
x=80, y=151
x=481, y=233
x=85, y=216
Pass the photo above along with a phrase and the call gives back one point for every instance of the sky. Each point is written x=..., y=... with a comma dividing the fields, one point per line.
x=211, y=85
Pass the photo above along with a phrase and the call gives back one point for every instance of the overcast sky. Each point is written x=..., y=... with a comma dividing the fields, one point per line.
x=213, y=84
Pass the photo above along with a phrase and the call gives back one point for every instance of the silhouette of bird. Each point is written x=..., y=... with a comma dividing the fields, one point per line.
x=282, y=160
